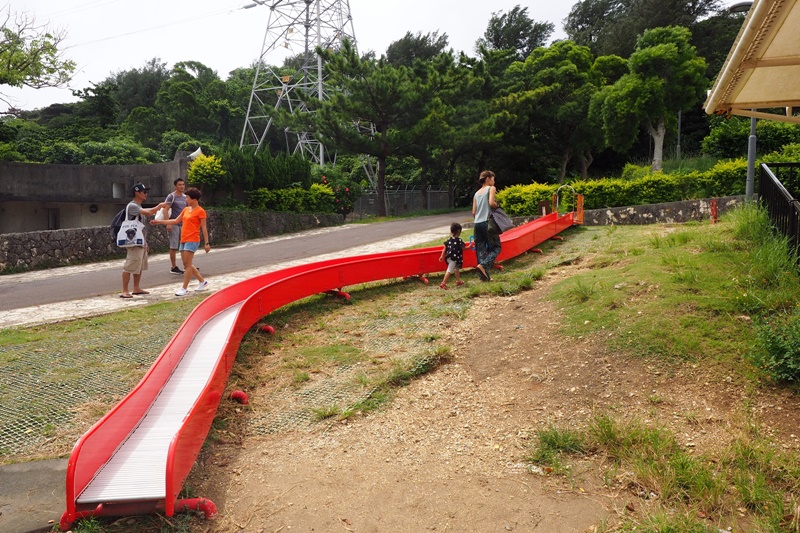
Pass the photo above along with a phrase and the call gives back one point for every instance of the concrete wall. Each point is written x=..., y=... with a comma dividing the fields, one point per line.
x=52, y=248
x=666, y=213
x=42, y=249
x=49, y=197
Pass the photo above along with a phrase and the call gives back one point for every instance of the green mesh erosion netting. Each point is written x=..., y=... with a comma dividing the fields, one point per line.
x=50, y=388
x=399, y=334
x=45, y=386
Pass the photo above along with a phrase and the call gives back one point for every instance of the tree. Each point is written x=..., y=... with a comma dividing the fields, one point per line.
x=515, y=31
x=665, y=76
x=138, y=87
x=29, y=54
x=392, y=107
x=410, y=48
x=552, y=88
x=611, y=27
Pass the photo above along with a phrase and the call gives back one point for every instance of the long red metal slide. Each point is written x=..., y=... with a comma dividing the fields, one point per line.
x=136, y=458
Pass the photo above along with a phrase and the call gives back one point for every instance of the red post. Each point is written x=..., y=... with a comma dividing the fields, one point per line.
x=713, y=210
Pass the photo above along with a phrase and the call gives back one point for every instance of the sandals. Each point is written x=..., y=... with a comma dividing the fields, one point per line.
x=442, y=285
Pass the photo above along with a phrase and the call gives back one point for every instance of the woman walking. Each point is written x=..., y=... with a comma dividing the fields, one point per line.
x=193, y=220
x=487, y=247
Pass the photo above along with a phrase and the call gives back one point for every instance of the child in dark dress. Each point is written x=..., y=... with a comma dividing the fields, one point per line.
x=453, y=253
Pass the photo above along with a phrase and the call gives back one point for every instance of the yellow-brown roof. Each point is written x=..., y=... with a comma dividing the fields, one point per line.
x=762, y=70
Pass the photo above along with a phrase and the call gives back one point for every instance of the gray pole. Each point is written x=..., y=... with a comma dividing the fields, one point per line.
x=678, y=148
x=751, y=161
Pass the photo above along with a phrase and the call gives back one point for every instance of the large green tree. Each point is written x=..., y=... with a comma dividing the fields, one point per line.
x=411, y=48
x=30, y=55
x=665, y=76
x=611, y=27
x=515, y=31
x=552, y=89
x=137, y=87
x=377, y=109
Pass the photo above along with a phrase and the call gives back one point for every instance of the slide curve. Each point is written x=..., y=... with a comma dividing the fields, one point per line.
x=135, y=459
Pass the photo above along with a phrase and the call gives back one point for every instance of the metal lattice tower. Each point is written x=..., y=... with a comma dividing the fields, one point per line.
x=296, y=27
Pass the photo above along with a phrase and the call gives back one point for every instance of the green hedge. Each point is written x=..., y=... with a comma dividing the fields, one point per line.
x=726, y=178
x=317, y=199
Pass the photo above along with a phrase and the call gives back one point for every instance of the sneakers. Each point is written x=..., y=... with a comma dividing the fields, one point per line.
x=175, y=270
x=443, y=286
x=202, y=287
x=181, y=292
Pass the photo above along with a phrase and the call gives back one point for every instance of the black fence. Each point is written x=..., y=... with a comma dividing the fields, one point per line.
x=776, y=185
x=399, y=202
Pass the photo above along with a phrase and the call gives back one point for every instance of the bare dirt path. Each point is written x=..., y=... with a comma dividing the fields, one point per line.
x=447, y=454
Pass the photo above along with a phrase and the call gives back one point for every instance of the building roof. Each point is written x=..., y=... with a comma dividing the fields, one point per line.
x=762, y=71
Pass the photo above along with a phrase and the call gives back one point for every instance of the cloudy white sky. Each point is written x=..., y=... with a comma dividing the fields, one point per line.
x=107, y=36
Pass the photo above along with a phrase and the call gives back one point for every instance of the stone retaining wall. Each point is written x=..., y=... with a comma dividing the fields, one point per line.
x=44, y=249
x=666, y=213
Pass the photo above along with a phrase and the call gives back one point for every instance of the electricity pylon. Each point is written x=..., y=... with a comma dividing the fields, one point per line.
x=298, y=27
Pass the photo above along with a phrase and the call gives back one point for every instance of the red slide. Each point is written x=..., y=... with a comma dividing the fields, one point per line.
x=136, y=458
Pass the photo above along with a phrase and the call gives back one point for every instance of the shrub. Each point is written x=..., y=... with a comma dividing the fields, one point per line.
x=321, y=199
x=726, y=178
x=777, y=347
x=345, y=194
x=205, y=171
x=318, y=199
x=172, y=140
x=523, y=200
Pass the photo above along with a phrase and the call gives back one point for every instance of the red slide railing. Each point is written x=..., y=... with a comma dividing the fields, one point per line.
x=256, y=297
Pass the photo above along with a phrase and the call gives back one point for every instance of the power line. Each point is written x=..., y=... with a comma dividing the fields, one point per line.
x=160, y=26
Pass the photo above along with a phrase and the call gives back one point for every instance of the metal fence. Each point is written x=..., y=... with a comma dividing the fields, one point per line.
x=399, y=202
x=783, y=209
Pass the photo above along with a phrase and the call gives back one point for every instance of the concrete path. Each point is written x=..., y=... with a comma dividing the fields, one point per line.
x=48, y=296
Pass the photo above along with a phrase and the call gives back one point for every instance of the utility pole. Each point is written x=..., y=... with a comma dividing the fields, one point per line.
x=295, y=27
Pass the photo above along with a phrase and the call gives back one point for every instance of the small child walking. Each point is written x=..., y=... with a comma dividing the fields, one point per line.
x=453, y=253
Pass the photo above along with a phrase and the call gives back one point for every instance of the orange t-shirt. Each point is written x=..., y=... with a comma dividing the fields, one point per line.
x=190, y=232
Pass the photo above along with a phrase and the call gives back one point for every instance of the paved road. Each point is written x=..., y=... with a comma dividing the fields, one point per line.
x=19, y=291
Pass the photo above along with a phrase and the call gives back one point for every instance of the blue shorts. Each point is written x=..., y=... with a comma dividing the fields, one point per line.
x=189, y=246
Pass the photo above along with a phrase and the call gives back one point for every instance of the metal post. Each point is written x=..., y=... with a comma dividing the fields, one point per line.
x=678, y=148
x=751, y=161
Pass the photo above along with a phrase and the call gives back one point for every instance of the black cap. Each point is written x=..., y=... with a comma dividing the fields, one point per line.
x=139, y=187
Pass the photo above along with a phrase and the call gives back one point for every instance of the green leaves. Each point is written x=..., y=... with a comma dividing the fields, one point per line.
x=29, y=54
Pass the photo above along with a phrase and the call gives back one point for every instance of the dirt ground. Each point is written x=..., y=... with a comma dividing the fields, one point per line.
x=447, y=454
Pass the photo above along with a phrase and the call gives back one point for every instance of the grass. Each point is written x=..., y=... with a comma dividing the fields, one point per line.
x=665, y=293
x=691, y=294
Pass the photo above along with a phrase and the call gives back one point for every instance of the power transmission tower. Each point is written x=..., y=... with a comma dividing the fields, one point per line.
x=296, y=27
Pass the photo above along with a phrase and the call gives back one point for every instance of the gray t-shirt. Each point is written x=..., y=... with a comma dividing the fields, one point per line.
x=177, y=204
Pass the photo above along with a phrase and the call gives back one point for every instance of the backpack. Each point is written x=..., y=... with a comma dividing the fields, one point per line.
x=116, y=223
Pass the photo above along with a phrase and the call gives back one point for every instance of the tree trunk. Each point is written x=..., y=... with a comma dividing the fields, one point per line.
x=565, y=158
x=658, y=133
x=586, y=161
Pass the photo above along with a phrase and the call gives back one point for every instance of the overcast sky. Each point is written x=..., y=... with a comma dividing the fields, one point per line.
x=107, y=36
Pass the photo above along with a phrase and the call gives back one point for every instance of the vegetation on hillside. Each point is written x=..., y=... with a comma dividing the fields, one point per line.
x=431, y=116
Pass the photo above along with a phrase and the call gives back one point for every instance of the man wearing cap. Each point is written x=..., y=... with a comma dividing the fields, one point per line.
x=136, y=260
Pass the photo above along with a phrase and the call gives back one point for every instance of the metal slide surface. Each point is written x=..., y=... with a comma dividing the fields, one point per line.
x=137, y=457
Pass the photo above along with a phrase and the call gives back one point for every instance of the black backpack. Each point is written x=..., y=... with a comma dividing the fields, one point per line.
x=116, y=223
